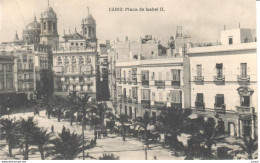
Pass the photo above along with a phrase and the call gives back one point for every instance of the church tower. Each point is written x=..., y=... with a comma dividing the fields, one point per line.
x=49, y=34
x=89, y=31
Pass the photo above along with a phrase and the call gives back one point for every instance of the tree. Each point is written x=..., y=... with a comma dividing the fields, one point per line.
x=8, y=131
x=172, y=121
x=67, y=145
x=144, y=122
x=123, y=119
x=41, y=138
x=58, y=103
x=107, y=156
x=248, y=146
x=72, y=106
x=209, y=134
x=26, y=128
x=102, y=111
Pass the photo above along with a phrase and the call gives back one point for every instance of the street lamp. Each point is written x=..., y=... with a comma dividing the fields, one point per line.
x=8, y=111
x=83, y=97
x=145, y=151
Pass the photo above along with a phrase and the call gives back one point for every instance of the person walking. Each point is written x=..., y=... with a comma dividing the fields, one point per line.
x=52, y=129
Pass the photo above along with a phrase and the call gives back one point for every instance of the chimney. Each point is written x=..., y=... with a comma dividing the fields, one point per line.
x=224, y=27
x=64, y=32
x=69, y=31
x=126, y=38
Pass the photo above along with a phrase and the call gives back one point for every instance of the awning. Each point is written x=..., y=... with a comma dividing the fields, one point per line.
x=193, y=116
x=151, y=127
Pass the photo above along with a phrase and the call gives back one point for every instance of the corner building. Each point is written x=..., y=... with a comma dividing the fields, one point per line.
x=224, y=82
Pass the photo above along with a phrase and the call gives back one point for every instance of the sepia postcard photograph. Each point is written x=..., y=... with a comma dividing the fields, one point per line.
x=128, y=80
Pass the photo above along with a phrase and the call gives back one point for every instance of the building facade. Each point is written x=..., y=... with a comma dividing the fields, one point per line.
x=224, y=82
x=148, y=75
x=75, y=61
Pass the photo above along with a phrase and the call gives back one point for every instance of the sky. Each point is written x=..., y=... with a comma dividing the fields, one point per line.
x=201, y=19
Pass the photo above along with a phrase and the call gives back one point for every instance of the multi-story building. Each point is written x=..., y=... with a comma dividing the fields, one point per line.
x=103, y=88
x=224, y=81
x=75, y=61
x=148, y=75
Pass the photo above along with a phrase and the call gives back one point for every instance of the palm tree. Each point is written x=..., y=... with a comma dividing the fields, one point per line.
x=107, y=156
x=26, y=128
x=144, y=122
x=41, y=138
x=123, y=119
x=209, y=134
x=58, y=103
x=67, y=145
x=72, y=106
x=171, y=122
x=8, y=131
x=249, y=146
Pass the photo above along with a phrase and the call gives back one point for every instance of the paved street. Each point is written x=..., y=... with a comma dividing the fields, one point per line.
x=131, y=149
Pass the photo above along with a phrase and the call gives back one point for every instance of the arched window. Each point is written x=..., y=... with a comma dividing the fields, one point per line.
x=54, y=26
x=44, y=26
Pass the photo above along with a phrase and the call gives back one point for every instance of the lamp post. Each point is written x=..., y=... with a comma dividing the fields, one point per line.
x=145, y=151
x=83, y=98
x=8, y=111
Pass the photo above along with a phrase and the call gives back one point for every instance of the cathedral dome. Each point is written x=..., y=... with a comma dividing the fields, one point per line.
x=49, y=13
x=89, y=20
x=34, y=25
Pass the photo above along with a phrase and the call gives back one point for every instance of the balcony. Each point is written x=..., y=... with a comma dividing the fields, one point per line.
x=159, y=83
x=81, y=83
x=199, y=79
x=245, y=110
x=176, y=83
x=25, y=89
x=104, y=63
x=146, y=103
x=219, y=79
x=134, y=81
x=135, y=100
x=145, y=82
x=124, y=81
x=129, y=81
x=89, y=82
x=25, y=70
x=26, y=80
x=243, y=79
x=176, y=105
x=220, y=108
x=118, y=80
x=200, y=105
x=159, y=105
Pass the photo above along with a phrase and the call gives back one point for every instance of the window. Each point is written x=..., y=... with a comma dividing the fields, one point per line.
x=159, y=75
x=145, y=94
x=176, y=96
x=219, y=100
x=219, y=67
x=119, y=91
x=124, y=75
x=176, y=75
x=77, y=44
x=243, y=70
x=49, y=26
x=200, y=98
x=145, y=75
x=199, y=72
x=160, y=96
x=153, y=76
x=134, y=91
x=118, y=73
x=54, y=26
x=130, y=93
x=30, y=66
x=44, y=26
x=72, y=44
x=230, y=40
x=245, y=101
x=8, y=67
x=153, y=96
x=124, y=92
x=129, y=73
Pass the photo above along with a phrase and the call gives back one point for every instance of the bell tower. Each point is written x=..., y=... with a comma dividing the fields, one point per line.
x=49, y=33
